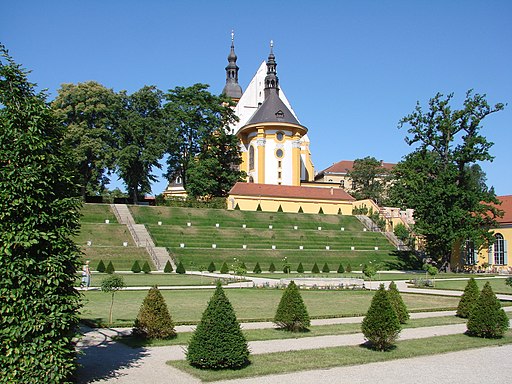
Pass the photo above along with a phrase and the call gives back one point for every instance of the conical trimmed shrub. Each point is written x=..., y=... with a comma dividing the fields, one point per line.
x=180, y=268
x=110, y=268
x=398, y=303
x=349, y=268
x=211, y=267
x=300, y=268
x=280, y=209
x=487, y=319
x=326, y=269
x=168, y=267
x=300, y=210
x=136, y=267
x=272, y=268
x=341, y=269
x=315, y=269
x=468, y=299
x=257, y=268
x=101, y=267
x=154, y=320
x=291, y=313
x=320, y=211
x=258, y=208
x=380, y=325
x=218, y=341
x=146, y=268
x=224, y=268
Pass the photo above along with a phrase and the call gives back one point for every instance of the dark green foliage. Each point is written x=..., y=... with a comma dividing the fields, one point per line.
x=280, y=209
x=286, y=268
x=300, y=210
x=381, y=325
x=146, y=268
x=111, y=284
x=326, y=269
x=237, y=207
x=369, y=177
x=468, y=299
x=291, y=313
x=242, y=266
x=168, y=267
x=258, y=208
x=341, y=269
x=349, y=268
x=257, y=268
x=272, y=268
x=320, y=211
x=180, y=268
x=110, y=268
x=315, y=269
x=211, y=267
x=339, y=211
x=398, y=303
x=224, y=268
x=487, y=319
x=300, y=268
x=154, y=320
x=101, y=267
x=39, y=210
x=136, y=267
x=218, y=342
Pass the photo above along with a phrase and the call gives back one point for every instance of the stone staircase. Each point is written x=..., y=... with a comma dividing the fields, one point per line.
x=141, y=237
x=370, y=225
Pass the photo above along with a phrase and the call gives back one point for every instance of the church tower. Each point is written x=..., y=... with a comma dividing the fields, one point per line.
x=275, y=148
x=232, y=88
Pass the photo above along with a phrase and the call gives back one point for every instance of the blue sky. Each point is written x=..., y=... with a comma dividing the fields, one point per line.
x=351, y=69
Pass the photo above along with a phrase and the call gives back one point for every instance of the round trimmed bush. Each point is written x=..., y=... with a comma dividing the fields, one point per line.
x=291, y=314
x=154, y=320
x=218, y=341
x=487, y=319
x=380, y=325
x=468, y=299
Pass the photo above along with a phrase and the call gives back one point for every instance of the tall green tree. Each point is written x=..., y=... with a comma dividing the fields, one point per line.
x=369, y=179
x=39, y=217
x=439, y=178
x=140, y=140
x=194, y=117
x=90, y=112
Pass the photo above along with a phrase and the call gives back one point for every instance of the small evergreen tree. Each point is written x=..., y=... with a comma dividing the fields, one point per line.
x=320, y=211
x=339, y=211
x=349, y=268
x=380, y=325
x=218, y=341
x=154, y=320
x=146, y=268
x=272, y=268
x=180, y=268
x=258, y=208
x=280, y=209
x=315, y=269
x=257, y=268
x=487, y=319
x=168, y=267
x=101, y=267
x=398, y=303
x=224, y=269
x=300, y=210
x=468, y=299
x=211, y=267
x=341, y=269
x=326, y=269
x=291, y=313
x=237, y=207
x=110, y=268
x=136, y=267
x=300, y=268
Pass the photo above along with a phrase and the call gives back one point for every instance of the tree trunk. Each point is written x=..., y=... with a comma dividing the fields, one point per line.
x=111, y=306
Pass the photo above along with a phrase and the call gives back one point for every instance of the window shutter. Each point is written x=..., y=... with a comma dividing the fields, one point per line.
x=505, y=261
x=491, y=254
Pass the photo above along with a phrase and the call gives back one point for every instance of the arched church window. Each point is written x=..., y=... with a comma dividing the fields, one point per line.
x=251, y=157
x=499, y=249
x=251, y=179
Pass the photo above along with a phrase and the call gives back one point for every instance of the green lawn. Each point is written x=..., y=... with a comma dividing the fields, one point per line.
x=160, y=279
x=101, y=234
x=186, y=306
x=293, y=361
x=379, y=276
x=121, y=257
x=498, y=285
x=97, y=213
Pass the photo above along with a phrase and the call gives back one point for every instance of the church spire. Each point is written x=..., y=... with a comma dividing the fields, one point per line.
x=271, y=80
x=232, y=88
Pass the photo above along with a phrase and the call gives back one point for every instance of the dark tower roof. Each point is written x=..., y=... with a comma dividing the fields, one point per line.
x=273, y=109
x=232, y=88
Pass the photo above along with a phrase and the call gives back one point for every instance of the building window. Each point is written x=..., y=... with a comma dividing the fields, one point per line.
x=499, y=249
x=279, y=164
x=342, y=183
x=279, y=153
x=469, y=255
x=251, y=157
x=279, y=136
x=251, y=179
x=278, y=175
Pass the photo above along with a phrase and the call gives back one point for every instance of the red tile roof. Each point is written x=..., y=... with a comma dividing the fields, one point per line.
x=345, y=166
x=289, y=191
x=506, y=207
